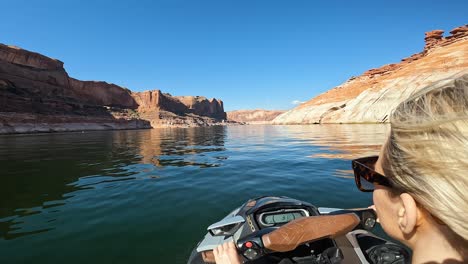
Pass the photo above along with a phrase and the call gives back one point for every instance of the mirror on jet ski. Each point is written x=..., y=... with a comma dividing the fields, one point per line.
x=227, y=226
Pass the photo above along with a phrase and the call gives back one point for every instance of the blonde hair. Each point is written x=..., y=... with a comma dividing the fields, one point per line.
x=426, y=154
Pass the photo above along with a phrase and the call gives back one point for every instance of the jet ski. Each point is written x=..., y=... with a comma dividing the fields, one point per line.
x=283, y=230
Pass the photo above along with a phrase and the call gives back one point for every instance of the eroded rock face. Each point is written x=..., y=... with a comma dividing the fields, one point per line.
x=47, y=100
x=151, y=102
x=370, y=98
x=258, y=116
x=37, y=95
x=33, y=83
x=16, y=55
x=202, y=106
x=164, y=110
x=433, y=38
x=459, y=31
x=102, y=93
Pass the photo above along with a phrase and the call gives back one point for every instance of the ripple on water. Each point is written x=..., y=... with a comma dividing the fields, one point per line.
x=148, y=195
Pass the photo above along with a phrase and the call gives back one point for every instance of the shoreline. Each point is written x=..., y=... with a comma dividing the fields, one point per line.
x=26, y=129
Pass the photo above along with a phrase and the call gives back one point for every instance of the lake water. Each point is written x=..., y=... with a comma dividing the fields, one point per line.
x=147, y=196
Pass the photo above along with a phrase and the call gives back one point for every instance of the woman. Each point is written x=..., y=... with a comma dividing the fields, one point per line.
x=420, y=179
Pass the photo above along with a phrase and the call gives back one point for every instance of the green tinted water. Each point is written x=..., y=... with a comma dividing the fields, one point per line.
x=147, y=196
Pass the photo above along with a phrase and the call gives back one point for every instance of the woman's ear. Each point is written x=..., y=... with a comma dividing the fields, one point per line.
x=407, y=214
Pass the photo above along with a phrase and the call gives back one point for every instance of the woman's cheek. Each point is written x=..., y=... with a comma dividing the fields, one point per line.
x=376, y=200
x=383, y=208
x=380, y=207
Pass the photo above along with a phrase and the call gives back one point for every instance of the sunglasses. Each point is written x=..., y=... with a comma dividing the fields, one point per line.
x=366, y=176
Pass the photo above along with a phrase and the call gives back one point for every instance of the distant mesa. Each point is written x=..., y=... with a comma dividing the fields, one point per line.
x=258, y=116
x=369, y=98
x=37, y=95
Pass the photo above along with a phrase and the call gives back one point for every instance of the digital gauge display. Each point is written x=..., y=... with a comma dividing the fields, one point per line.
x=278, y=218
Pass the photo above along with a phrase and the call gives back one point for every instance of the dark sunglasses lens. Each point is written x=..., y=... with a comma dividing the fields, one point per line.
x=365, y=184
x=364, y=175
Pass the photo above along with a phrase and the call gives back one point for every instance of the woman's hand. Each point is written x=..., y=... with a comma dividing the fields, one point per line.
x=227, y=254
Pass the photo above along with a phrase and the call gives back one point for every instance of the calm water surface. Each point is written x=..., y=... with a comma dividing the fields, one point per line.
x=147, y=196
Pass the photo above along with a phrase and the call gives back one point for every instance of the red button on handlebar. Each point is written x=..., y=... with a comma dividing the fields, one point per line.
x=248, y=244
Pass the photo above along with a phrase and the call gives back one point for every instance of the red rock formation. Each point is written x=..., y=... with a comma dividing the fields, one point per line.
x=155, y=100
x=200, y=105
x=371, y=96
x=33, y=83
x=459, y=31
x=358, y=84
x=35, y=87
x=151, y=103
x=433, y=38
x=16, y=55
x=102, y=93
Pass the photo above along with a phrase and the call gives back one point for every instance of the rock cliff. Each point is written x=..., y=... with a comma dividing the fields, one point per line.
x=37, y=95
x=370, y=98
x=162, y=109
x=258, y=116
x=202, y=106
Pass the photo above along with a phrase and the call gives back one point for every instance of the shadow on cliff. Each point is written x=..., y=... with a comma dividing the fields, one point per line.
x=46, y=100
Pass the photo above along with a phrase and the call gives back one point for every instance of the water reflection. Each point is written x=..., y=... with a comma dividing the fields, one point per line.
x=344, y=141
x=58, y=190
x=183, y=147
x=347, y=174
x=38, y=171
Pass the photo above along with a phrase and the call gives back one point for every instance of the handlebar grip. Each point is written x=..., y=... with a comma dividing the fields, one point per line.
x=306, y=229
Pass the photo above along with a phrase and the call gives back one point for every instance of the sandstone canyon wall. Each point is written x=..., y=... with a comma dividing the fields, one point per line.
x=258, y=116
x=162, y=109
x=370, y=98
x=37, y=95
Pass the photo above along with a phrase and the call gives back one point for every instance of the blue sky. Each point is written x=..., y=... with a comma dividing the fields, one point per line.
x=251, y=54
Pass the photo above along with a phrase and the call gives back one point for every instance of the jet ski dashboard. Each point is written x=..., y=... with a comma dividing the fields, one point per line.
x=284, y=230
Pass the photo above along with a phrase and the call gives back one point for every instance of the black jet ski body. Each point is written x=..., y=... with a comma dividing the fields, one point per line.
x=264, y=214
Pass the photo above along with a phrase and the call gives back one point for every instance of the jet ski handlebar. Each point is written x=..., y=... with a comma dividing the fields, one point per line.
x=305, y=229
